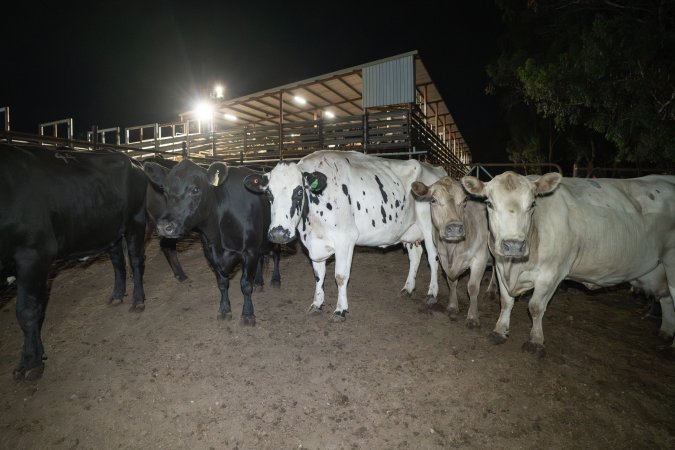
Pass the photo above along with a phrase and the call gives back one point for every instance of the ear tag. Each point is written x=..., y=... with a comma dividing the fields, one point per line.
x=314, y=185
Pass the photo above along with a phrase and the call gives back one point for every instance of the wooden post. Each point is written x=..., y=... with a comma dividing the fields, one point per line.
x=281, y=125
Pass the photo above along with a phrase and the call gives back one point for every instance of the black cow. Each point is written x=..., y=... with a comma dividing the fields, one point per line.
x=232, y=222
x=156, y=204
x=59, y=204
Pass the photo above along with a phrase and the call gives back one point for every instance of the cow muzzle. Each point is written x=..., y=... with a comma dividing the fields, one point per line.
x=514, y=248
x=454, y=232
x=279, y=235
x=167, y=228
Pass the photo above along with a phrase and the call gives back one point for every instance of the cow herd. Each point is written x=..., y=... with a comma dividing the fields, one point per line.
x=535, y=231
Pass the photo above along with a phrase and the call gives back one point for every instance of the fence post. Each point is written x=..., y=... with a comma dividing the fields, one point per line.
x=94, y=137
x=185, y=152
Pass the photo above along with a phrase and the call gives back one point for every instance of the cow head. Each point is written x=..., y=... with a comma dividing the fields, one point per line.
x=448, y=201
x=510, y=200
x=189, y=191
x=287, y=189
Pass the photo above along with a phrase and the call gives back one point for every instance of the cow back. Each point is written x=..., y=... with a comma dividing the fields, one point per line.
x=67, y=203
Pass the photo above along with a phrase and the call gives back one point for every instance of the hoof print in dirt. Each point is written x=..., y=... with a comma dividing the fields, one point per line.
x=137, y=308
x=315, y=310
x=247, y=321
x=496, y=338
x=224, y=316
x=338, y=317
x=115, y=301
x=472, y=324
x=536, y=349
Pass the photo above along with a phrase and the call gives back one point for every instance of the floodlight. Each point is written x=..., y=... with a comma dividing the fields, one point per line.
x=219, y=91
x=230, y=117
x=299, y=100
x=328, y=114
x=204, y=110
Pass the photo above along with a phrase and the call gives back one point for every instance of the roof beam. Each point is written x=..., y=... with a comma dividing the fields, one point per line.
x=337, y=105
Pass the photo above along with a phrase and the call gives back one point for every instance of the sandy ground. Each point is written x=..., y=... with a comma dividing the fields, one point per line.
x=393, y=376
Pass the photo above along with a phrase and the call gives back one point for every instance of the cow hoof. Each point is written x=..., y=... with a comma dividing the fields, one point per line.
x=258, y=288
x=32, y=374
x=497, y=338
x=224, y=316
x=140, y=307
x=315, y=310
x=276, y=283
x=115, y=301
x=338, y=317
x=405, y=293
x=452, y=313
x=181, y=277
x=430, y=300
x=472, y=324
x=247, y=321
x=665, y=336
x=536, y=349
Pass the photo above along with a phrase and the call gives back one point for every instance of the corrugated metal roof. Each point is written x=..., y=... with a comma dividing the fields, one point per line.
x=340, y=92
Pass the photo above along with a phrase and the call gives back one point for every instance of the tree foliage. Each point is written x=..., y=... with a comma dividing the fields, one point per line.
x=605, y=67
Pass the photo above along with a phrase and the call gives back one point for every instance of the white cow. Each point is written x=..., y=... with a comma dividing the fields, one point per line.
x=337, y=199
x=461, y=239
x=600, y=232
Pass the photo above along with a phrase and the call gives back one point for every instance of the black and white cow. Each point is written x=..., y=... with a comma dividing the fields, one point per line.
x=336, y=200
x=599, y=232
x=461, y=238
x=59, y=204
x=231, y=220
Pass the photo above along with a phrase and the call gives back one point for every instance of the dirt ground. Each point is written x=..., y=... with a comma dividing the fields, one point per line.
x=393, y=376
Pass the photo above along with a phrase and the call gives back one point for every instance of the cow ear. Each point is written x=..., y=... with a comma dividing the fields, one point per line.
x=216, y=173
x=156, y=173
x=256, y=183
x=547, y=183
x=473, y=186
x=316, y=182
x=420, y=191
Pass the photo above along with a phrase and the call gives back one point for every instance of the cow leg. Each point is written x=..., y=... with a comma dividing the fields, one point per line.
x=319, y=274
x=491, y=291
x=667, y=330
x=120, y=268
x=276, y=275
x=432, y=258
x=223, y=281
x=477, y=270
x=500, y=333
x=258, y=282
x=136, y=248
x=669, y=265
x=453, y=305
x=248, y=268
x=31, y=300
x=537, y=306
x=343, y=264
x=168, y=247
x=414, y=257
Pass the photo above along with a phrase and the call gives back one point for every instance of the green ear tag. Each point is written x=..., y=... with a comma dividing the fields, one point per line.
x=314, y=185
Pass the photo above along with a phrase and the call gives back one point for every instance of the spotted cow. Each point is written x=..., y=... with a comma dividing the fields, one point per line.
x=460, y=235
x=336, y=200
x=599, y=232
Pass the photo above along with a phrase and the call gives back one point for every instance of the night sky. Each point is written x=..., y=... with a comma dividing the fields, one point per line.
x=123, y=64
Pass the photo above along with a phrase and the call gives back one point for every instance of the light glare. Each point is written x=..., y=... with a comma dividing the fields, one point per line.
x=230, y=117
x=299, y=100
x=204, y=110
x=328, y=114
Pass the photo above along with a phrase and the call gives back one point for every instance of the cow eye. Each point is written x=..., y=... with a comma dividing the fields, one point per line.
x=488, y=203
x=433, y=200
x=194, y=190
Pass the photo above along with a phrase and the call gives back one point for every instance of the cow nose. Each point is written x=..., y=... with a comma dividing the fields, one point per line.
x=166, y=227
x=279, y=235
x=455, y=230
x=513, y=247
